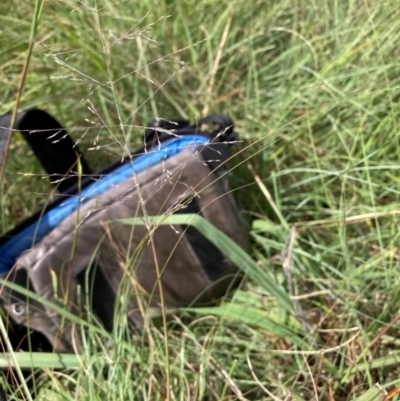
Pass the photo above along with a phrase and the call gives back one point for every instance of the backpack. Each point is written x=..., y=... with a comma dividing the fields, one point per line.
x=83, y=235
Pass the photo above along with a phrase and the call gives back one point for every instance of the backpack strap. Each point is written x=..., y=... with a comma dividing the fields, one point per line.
x=225, y=131
x=158, y=129
x=50, y=143
x=222, y=137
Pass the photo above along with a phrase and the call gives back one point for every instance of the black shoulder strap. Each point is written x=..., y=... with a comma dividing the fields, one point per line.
x=225, y=127
x=161, y=129
x=51, y=144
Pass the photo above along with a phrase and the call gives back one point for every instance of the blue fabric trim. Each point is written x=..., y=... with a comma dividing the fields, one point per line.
x=12, y=249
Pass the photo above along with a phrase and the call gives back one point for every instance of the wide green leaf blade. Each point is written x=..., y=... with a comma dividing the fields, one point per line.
x=29, y=360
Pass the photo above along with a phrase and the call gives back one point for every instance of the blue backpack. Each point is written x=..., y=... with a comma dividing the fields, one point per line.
x=84, y=235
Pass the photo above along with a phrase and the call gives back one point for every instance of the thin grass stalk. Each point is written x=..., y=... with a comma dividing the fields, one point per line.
x=14, y=359
x=35, y=21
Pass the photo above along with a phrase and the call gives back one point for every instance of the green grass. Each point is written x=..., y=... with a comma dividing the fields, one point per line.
x=314, y=90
